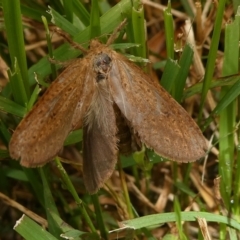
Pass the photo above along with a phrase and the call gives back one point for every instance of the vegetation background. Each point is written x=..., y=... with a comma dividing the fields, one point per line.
x=197, y=45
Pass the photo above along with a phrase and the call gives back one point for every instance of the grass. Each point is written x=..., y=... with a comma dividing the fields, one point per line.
x=159, y=199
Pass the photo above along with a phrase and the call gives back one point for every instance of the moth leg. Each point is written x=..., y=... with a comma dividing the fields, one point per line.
x=61, y=63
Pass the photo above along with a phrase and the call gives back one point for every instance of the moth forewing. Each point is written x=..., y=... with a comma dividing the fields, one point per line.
x=40, y=135
x=161, y=123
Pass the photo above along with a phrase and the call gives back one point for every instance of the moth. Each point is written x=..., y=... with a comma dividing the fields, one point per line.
x=97, y=93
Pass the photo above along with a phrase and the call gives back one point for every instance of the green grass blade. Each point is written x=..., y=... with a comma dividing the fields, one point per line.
x=162, y=218
x=16, y=83
x=212, y=54
x=185, y=63
x=61, y=22
x=34, y=13
x=169, y=31
x=68, y=7
x=50, y=48
x=231, y=56
x=139, y=33
x=177, y=210
x=230, y=95
x=95, y=28
x=72, y=190
x=70, y=233
x=9, y=106
x=30, y=230
x=228, y=115
x=14, y=30
x=99, y=216
x=81, y=12
x=74, y=137
x=188, y=8
x=236, y=185
x=50, y=205
x=196, y=88
x=33, y=97
x=5, y=135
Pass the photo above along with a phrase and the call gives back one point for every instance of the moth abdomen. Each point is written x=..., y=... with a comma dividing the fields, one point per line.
x=100, y=77
x=123, y=134
x=125, y=141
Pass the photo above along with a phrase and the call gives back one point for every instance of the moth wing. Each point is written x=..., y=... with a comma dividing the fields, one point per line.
x=85, y=100
x=100, y=152
x=41, y=134
x=161, y=123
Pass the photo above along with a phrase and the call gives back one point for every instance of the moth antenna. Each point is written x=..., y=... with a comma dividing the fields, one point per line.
x=61, y=63
x=115, y=32
x=69, y=40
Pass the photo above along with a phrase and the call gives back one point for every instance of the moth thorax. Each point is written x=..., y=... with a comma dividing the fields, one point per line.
x=102, y=65
x=123, y=134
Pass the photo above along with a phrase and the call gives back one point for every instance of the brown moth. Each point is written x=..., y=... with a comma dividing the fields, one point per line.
x=96, y=93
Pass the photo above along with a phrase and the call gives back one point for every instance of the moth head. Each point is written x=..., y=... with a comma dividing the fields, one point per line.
x=95, y=44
